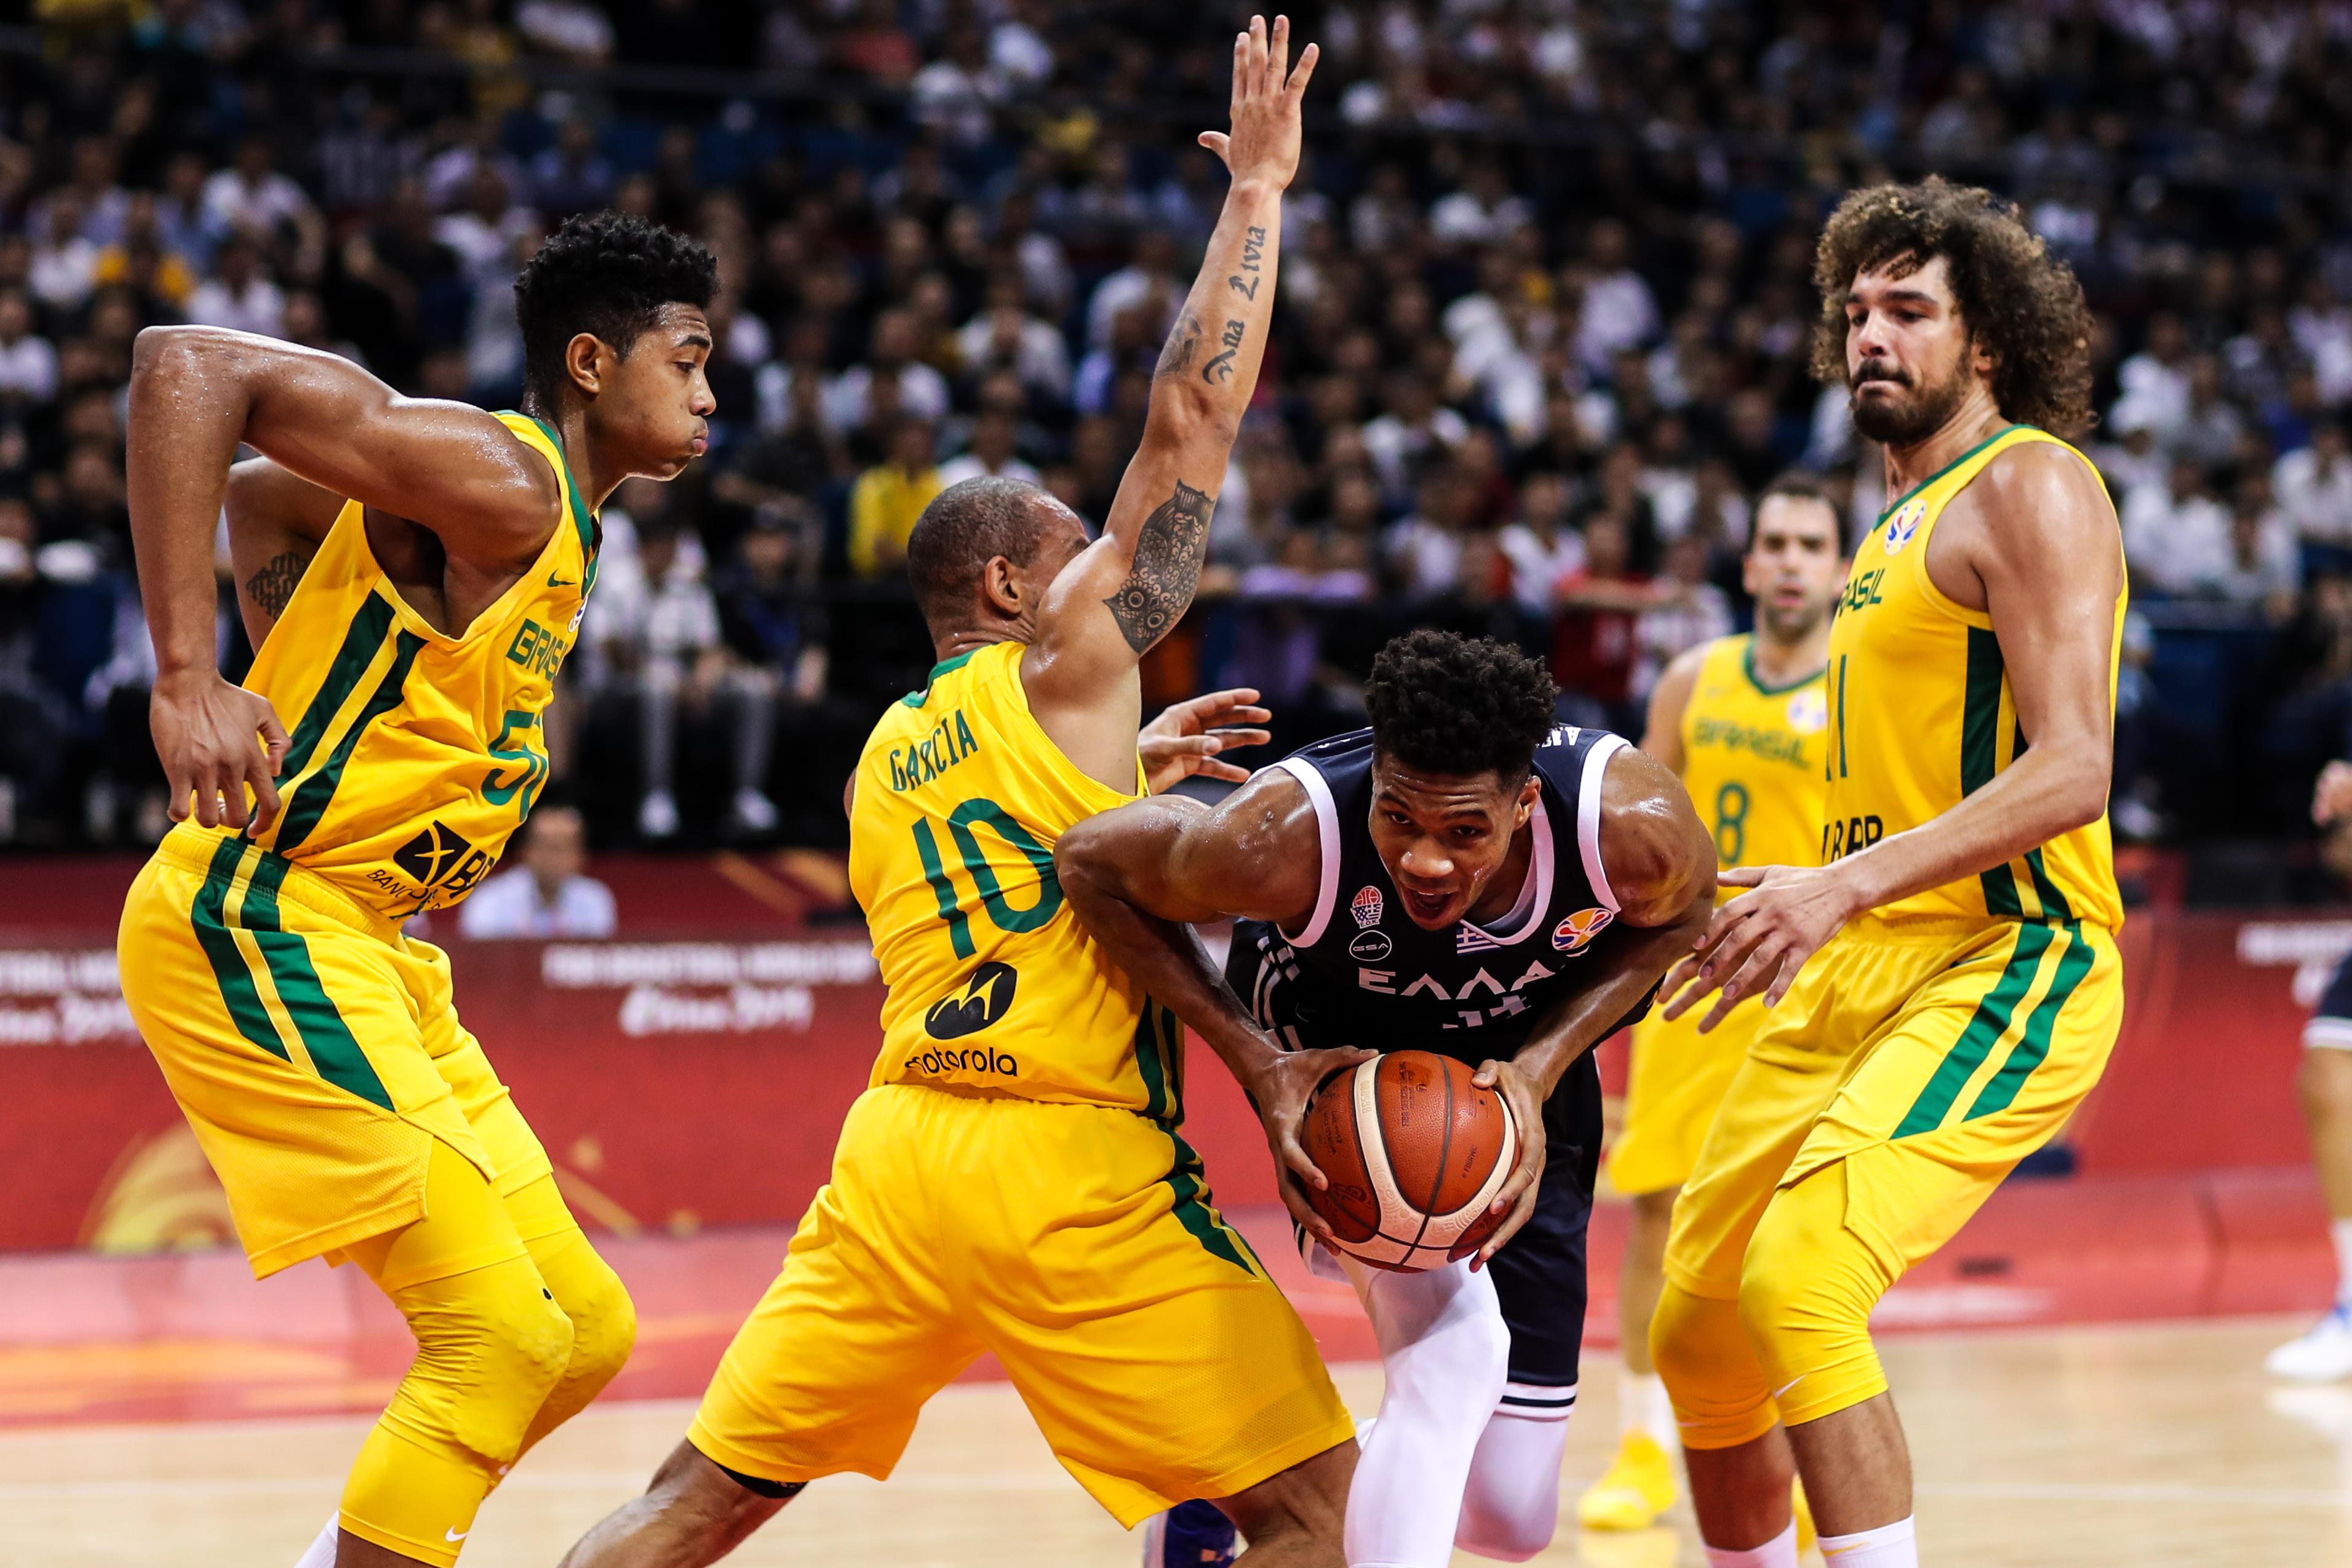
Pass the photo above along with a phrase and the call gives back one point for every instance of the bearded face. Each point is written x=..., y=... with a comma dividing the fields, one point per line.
x=1898, y=405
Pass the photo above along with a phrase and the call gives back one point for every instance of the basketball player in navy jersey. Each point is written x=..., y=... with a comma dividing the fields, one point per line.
x=1464, y=877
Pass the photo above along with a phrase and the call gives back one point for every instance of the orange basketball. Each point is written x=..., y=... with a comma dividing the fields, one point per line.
x=1415, y=1155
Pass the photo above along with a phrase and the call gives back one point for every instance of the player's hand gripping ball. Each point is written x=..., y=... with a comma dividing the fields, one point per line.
x=1414, y=1156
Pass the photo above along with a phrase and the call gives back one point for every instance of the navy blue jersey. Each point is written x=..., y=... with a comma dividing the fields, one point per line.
x=1360, y=973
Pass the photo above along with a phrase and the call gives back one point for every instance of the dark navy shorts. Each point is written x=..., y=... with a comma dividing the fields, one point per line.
x=1540, y=1273
x=2331, y=1026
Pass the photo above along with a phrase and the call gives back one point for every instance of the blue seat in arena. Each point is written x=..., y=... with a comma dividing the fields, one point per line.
x=2193, y=674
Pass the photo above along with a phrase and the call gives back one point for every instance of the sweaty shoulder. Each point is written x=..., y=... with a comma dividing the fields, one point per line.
x=2037, y=504
x=1259, y=855
x=1656, y=854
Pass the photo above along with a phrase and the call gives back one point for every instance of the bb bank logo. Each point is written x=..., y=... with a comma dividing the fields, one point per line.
x=1809, y=711
x=984, y=998
x=1904, y=524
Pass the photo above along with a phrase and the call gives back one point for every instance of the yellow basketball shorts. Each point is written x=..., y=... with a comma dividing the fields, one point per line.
x=1921, y=1059
x=1678, y=1078
x=314, y=1049
x=1079, y=1245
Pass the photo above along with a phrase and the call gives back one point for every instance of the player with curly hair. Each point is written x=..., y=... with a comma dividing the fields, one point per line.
x=413, y=573
x=1943, y=968
x=1468, y=877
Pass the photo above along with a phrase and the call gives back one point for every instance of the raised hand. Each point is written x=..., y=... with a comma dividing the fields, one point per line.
x=1188, y=736
x=1264, y=144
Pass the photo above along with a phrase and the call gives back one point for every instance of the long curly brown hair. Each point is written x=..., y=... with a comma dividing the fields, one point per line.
x=2021, y=304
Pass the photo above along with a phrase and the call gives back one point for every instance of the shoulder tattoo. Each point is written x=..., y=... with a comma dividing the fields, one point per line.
x=1167, y=570
x=272, y=586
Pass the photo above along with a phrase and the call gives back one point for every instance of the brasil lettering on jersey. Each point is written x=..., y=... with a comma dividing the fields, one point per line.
x=1770, y=744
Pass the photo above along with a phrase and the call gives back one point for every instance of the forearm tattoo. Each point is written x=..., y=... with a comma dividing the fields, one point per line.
x=273, y=585
x=1167, y=570
x=1184, y=345
x=1220, y=368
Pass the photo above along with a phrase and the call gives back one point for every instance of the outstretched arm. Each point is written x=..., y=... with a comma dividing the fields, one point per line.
x=196, y=393
x=1139, y=876
x=1132, y=585
x=2036, y=548
x=1661, y=864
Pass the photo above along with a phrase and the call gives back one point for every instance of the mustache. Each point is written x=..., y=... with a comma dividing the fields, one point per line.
x=1878, y=371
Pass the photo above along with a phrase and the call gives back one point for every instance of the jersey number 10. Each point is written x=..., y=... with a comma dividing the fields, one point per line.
x=1002, y=911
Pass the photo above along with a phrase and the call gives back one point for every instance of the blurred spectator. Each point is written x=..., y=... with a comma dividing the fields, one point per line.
x=28, y=364
x=550, y=894
x=1005, y=336
x=991, y=454
x=889, y=497
x=2264, y=567
x=2314, y=484
x=239, y=293
x=572, y=176
x=2175, y=535
x=252, y=198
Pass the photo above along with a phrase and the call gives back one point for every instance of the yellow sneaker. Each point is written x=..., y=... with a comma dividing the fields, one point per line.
x=1806, y=1535
x=1639, y=1487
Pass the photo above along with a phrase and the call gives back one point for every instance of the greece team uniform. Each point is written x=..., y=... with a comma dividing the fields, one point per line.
x=1922, y=1052
x=1752, y=764
x=313, y=1047
x=1482, y=1368
x=1015, y=1180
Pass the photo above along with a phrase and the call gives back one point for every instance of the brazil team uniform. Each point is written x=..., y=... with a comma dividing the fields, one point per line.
x=1922, y=1052
x=313, y=1047
x=1015, y=1180
x=1752, y=764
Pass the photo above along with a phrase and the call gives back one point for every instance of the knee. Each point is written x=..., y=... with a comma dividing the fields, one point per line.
x=1692, y=1337
x=2324, y=1083
x=603, y=1326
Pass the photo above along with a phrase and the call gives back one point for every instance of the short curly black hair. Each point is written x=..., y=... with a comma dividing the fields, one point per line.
x=2021, y=304
x=1441, y=703
x=609, y=274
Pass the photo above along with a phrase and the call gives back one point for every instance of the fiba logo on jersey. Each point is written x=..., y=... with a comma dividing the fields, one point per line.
x=1576, y=933
x=1809, y=711
x=1902, y=525
x=1366, y=905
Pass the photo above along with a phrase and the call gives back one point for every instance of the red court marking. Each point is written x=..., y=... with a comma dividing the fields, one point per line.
x=86, y=1339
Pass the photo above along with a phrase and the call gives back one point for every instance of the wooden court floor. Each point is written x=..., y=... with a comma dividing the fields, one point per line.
x=2158, y=1446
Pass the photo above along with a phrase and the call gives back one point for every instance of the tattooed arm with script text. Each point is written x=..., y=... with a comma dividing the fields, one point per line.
x=1130, y=587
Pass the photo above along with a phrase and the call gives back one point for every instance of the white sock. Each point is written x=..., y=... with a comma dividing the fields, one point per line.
x=1642, y=1405
x=1510, y=1506
x=1894, y=1545
x=321, y=1551
x=1445, y=1353
x=2341, y=1229
x=1780, y=1552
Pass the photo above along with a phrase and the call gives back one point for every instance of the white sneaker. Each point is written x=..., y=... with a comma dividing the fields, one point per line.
x=2323, y=1355
x=754, y=812
x=657, y=817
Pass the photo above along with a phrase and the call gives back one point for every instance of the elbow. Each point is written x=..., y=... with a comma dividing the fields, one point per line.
x=1185, y=416
x=167, y=353
x=2080, y=799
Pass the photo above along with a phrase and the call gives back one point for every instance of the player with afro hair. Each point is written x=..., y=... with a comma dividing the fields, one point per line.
x=1444, y=703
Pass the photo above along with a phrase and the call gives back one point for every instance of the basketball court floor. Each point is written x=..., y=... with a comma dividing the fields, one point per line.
x=2142, y=1446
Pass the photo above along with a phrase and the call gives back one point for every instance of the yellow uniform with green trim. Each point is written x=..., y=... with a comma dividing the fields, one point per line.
x=1924, y=1051
x=311, y=1045
x=1015, y=1180
x=1752, y=764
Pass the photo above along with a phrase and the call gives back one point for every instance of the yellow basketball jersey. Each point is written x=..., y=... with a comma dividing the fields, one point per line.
x=993, y=983
x=415, y=753
x=1752, y=759
x=1921, y=715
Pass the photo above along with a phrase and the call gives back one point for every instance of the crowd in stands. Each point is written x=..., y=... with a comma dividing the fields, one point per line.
x=1545, y=303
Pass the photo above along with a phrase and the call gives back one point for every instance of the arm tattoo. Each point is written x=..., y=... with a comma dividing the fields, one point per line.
x=273, y=585
x=1182, y=344
x=1167, y=570
x=1220, y=368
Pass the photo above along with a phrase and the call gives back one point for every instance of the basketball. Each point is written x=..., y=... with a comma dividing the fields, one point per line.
x=1414, y=1154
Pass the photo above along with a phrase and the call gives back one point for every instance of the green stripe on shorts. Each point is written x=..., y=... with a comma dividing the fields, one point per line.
x=238, y=992
x=1986, y=1026
x=333, y=1048
x=2029, y=1052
